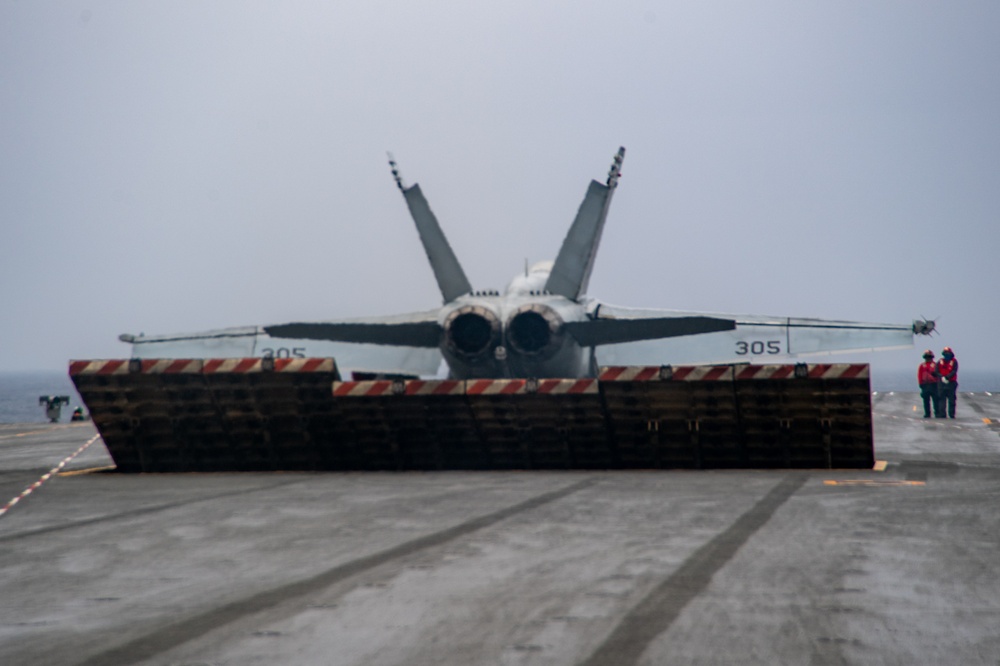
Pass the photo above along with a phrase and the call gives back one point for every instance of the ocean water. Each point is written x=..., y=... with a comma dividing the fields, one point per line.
x=973, y=381
x=19, y=391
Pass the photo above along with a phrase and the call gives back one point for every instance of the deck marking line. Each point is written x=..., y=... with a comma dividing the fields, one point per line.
x=871, y=482
x=89, y=470
x=652, y=616
x=38, y=432
x=48, y=475
x=200, y=623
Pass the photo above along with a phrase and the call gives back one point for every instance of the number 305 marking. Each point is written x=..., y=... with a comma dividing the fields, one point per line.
x=284, y=352
x=758, y=347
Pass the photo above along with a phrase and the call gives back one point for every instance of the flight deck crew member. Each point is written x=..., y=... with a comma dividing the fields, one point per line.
x=929, y=380
x=947, y=368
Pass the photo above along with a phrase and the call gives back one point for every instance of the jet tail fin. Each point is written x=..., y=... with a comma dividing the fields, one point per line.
x=447, y=270
x=571, y=271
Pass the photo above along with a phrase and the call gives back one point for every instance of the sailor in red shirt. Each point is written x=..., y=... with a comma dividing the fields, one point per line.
x=929, y=380
x=947, y=368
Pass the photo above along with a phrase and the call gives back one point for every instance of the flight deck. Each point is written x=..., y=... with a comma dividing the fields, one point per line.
x=895, y=564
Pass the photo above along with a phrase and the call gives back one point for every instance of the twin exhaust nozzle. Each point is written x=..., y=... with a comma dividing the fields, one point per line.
x=474, y=332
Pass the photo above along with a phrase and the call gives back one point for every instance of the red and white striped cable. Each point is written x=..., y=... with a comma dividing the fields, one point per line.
x=48, y=475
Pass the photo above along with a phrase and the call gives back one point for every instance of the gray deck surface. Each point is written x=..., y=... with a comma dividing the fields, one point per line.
x=778, y=567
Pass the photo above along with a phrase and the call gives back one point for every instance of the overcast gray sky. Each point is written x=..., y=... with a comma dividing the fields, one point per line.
x=180, y=166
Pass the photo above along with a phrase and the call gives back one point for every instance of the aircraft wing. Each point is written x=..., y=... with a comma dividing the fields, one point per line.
x=368, y=344
x=756, y=338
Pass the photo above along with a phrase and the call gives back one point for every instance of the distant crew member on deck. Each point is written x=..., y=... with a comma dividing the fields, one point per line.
x=929, y=380
x=947, y=368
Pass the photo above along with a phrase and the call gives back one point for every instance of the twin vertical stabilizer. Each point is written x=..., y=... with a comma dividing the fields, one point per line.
x=447, y=270
x=573, y=266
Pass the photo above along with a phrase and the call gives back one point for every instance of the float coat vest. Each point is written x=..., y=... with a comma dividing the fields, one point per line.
x=927, y=373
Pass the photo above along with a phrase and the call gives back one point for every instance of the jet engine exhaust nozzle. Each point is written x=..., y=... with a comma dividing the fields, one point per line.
x=471, y=332
x=535, y=330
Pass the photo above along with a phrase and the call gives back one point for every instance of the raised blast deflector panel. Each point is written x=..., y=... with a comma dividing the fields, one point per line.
x=292, y=414
x=741, y=416
x=174, y=415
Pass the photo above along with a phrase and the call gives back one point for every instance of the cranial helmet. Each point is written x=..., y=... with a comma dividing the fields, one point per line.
x=947, y=352
x=928, y=354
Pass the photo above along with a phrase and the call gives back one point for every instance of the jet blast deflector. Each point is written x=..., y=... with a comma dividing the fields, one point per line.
x=176, y=415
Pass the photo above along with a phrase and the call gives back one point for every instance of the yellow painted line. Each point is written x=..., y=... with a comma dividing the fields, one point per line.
x=89, y=470
x=880, y=465
x=872, y=482
x=40, y=431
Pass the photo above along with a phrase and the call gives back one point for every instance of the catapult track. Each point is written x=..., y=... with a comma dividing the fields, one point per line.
x=178, y=415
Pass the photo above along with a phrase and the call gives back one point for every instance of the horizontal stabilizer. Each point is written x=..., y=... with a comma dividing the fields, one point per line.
x=591, y=333
x=404, y=334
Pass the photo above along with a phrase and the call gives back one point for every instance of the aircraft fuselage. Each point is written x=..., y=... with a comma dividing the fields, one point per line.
x=520, y=333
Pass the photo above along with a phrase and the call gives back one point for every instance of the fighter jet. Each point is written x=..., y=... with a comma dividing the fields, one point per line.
x=542, y=325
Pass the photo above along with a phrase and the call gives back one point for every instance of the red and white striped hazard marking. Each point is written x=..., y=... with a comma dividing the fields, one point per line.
x=381, y=387
x=645, y=373
x=689, y=373
x=630, y=373
x=838, y=371
x=168, y=366
x=376, y=388
x=530, y=386
x=114, y=367
x=765, y=372
x=234, y=365
x=495, y=386
x=171, y=366
x=813, y=371
x=303, y=365
x=568, y=386
x=369, y=388
x=48, y=475
x=434, y=387
x=703, y=373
